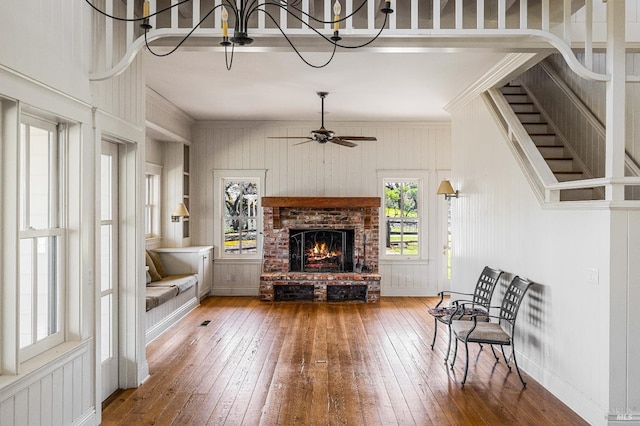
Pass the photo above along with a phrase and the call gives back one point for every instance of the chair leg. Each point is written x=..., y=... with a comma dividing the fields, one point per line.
x=455, y=354
x=494, y=353
x=505, y=357
x=466, y=363
x=513, y=354
x=435, y=332
x=448, y=346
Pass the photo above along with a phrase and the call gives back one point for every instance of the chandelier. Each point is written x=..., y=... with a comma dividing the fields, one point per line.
x=242, y=10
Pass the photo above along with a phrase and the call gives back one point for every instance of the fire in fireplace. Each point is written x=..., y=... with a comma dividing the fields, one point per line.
x=321, y=250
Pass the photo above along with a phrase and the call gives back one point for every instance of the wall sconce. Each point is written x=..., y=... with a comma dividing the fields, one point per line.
x=180, y=211
x=447, y=190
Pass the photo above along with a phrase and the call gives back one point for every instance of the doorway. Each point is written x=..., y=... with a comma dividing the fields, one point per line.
x=109, y=277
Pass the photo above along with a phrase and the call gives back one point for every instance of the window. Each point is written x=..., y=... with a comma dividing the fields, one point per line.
x=403, y=221
x=238, y=214
x=152, y=201
x=40, y=304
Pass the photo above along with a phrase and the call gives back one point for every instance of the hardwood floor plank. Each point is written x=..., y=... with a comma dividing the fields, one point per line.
x=311, y=363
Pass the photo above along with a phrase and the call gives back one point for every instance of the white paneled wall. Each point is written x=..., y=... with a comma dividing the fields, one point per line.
x=497, y=221
x=57, y=394
x=313, y=169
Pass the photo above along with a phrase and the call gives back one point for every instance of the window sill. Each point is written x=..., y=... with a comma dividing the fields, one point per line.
x=42, y=365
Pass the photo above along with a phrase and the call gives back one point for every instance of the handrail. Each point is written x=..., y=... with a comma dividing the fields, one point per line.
x=549, y=24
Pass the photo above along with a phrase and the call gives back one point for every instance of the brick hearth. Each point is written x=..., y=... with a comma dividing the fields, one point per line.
x=284, y=213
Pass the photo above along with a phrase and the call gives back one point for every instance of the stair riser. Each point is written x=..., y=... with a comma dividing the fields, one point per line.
x=568, y=177
x=552, y=152
x=523, y=108
x=517, y=98
x=577, y=195
x=529, y=118
x=562, y=165
x=545, y=140
x=513, y=90
x=536, y=127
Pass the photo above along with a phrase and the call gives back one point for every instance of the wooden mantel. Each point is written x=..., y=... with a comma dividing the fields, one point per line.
x=321, y=202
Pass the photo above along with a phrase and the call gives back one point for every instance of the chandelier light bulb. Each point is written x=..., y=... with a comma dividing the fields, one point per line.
x=336, y=12
x=225, y=24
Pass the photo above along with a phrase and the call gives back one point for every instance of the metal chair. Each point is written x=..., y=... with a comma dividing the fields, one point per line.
x=479, y=304
x=493, y=333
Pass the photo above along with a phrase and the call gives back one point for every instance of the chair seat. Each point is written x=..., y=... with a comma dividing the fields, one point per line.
x=485, y=332
x=444, y=314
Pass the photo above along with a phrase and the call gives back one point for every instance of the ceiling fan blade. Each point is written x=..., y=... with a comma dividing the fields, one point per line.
x=343, y=142
x=357, y=138
x=287, y=137
x=300, y=143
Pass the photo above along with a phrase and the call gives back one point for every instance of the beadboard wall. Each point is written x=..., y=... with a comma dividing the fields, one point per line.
x=314, y=169
x=498, y=222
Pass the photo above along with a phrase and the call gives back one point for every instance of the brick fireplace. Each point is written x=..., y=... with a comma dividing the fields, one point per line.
x=345, y=227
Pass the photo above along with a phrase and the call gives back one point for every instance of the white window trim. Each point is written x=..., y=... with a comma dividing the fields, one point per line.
x=218, y=213
x=422, y=176
x=156, y=229
x=58, y=229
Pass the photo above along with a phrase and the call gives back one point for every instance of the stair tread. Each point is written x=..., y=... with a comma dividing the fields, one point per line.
x=558, y=158
x=570, y=172
x=550, y=146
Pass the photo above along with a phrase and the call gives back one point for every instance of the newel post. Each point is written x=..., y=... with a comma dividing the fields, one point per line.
x=615, y=98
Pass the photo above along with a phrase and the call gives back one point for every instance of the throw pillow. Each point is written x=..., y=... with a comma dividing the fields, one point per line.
x=155, y=257
x=155, y=276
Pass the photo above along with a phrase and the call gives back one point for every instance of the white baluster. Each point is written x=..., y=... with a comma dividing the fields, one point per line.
x=480, y=14
x=588, y=35
x=196, y=12
x=436, y=14
x=502, y=14
x=174, y=15
x=108, y=32
x=459, y=16
x=414, y=14
x=129, y=34
x=523, y=15
x=545, y=15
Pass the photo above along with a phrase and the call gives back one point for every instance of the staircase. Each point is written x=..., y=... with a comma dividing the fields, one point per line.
x=555, y=153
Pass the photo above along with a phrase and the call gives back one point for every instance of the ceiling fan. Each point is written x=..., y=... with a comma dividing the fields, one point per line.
x=323, y=135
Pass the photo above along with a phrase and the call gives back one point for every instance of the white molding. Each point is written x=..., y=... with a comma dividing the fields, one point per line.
x=268, y=124
x=511, y=64
x=170, y=320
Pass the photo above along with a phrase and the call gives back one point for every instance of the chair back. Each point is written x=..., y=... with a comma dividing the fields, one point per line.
x=512, y=299
x=485, y=286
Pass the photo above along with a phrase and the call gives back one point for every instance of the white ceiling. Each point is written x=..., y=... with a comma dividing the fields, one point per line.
x=363, y=85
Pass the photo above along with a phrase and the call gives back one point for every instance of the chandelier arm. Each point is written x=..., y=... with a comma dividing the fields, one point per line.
x=282, y=31
x=195, y=27
x=294, y=47
x=117, y=18
x=228, y=63
x=368, y=42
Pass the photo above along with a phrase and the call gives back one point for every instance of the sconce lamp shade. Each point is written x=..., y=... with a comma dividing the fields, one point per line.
x=447, y=190
x=180, y=211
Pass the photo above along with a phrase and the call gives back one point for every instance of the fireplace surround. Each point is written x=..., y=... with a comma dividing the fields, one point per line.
x=320, y=243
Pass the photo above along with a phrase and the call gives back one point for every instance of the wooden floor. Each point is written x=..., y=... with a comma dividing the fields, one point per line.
x=302, y=363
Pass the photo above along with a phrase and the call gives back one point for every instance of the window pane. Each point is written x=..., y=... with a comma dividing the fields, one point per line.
x=402, y=224
x=106, y=190
x=27, y=280
x=39, y=178
x=106, y=257
x=232, y=236
x=46, y=288
x=106, y=333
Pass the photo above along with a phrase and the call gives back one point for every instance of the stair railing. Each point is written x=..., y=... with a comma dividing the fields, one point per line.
x=524, y=148
x=545, y=185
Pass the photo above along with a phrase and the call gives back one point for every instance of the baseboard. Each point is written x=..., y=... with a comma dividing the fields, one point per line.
x=572, y=397
x=235, y=291
x=170, y=320
x=88, y=418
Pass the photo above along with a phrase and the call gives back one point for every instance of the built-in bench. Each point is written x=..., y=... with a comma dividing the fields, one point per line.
x=170, y=295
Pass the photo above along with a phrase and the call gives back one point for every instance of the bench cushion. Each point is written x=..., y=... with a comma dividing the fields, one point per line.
x=182, y=282
x=156, y=296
